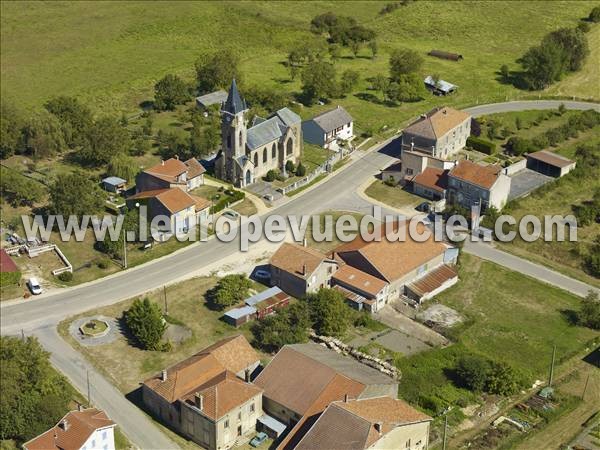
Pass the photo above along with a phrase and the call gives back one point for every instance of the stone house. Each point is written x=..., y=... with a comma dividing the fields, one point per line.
x=208, y=398
x=171, y=173
x=471, y=184
x=299, y=270
x=248, y=153
x=329, y=127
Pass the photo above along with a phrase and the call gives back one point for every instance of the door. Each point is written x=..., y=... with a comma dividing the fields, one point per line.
x=248, y=177
x=239, y=431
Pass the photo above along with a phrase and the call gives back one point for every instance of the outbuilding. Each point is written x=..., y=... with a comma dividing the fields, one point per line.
x=114, y=184
x=239, y=316
x=214, y=98
x=549, y=163
x=268, y=301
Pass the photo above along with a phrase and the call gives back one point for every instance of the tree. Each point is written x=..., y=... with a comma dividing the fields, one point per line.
x=403, y=62
x=355, y=48
x=543, y=65
x=349, y=81
x=140, y=146
x=335, y=51
x=562, y=109
x=114, y=248
x=381, y=84
x=329, y=312
x=75, y=194
x=290, y=167
x=19, y=190
x=169, y=92
x=43, y=135
x=11, y=129
x=518, y=123
x=505, y=73
x=408, y=88
x=172, y=144
x=503, y=379
x=300, y=170
x=574, y=46
x=34, y=396
x=145, y=321
x=473, y=372
x=231, y=290
x=123, y=166
x=589, y=315
x=106, y=138
x=74, y=116
x=594, y=14
x=318, y=81
x=214, y=71
x=148, y=124
x=373, y=47
x=288, y=326
x=205, y=135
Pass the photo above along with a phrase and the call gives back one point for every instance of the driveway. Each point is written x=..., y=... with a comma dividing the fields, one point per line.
x=525, y=181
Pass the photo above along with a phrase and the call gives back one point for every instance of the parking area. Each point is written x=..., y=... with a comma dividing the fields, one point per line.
x=263, y=190
x=526, y=181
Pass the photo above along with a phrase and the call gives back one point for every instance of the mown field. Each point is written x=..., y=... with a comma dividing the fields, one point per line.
x=111, y=53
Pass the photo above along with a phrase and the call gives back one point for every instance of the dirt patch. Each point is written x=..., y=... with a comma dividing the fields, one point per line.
x=440, y=315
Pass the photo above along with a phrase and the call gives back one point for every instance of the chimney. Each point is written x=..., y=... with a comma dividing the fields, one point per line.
x=199, y=400
x=379, y=427
x=247, y=375
x=303, y=269
x=177, y=157
x=304, y=242
x=162, y=162
x=164, y=375
x=345, y=398
x=64, y=424
x=79, y=407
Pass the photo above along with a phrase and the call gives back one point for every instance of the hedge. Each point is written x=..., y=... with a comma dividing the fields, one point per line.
x=481, y=145
x=232, y=198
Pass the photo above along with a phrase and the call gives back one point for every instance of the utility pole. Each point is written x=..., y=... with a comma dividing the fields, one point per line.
x=166, y=304
x=124, y=250
x=587, y=380
x=552, y=367
x=87, y=375
x=22, y=335
x=445, y=431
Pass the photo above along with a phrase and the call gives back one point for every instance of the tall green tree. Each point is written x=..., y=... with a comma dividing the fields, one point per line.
x=122, y=166
x=473, y=371
x=574, y=45
x=404, y=61
x=43, y=135
x=74, y=116
x=169, y=92
x=106, y=138
x=349, y=80
x=319, y=81
x=289, y=326
x=75, y=194
x=11, y=129
x=543, y=65
x=589, y=315
x=34, y=396
x=19, y=190
x=214, y=71
x=230, y=290
x=329, y=312
x=145, y=321
x=205, y=135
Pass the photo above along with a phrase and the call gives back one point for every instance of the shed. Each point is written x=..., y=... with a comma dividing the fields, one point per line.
x=439, y=87
x=273, y=427
x=214, y=98
x=549, y=163
x=239, y=316
x=445, y=55
x=114, y=184
x=268, y=301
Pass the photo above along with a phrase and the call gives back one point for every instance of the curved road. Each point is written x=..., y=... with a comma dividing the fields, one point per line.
x=40, y=316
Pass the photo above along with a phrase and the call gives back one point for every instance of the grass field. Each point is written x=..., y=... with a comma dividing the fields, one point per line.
x=392, y=195
x=110, y=54
x=516, y=326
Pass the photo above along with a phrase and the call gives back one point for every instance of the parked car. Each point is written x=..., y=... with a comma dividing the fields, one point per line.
x=232, y=215
x=262, y=274
x=258, y=439
x=34, y=286
x=268, y=197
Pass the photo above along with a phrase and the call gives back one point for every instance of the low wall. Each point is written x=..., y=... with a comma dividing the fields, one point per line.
x=514, y=168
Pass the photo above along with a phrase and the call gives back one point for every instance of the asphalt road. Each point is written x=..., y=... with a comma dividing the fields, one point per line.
x=41, y=315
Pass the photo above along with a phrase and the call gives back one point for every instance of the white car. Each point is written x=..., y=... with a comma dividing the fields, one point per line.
x=34, y=286
x=231, y=215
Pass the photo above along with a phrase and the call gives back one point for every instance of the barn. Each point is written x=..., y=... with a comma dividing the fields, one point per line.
x=268, y=301
x=239, y=316
x=549, y=163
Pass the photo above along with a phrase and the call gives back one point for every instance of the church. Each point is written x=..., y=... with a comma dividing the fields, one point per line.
x=247, y=154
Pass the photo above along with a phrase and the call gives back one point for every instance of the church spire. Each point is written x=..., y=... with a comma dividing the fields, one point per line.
x=234, y=103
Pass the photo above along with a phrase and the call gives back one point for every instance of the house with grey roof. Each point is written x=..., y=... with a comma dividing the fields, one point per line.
x=248, y=153
x=328, y=128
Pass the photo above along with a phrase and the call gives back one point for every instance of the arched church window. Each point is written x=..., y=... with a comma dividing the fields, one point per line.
x=274, y=151
x=289, y=147
x=265, y=155
x=256, y=159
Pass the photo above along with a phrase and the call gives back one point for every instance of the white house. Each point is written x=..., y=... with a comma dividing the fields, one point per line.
x=86, y=429
x=328, y=128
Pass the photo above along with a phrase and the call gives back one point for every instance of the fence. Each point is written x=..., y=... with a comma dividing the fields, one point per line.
x=326, y=167
x=516, y=167
x=37, y=250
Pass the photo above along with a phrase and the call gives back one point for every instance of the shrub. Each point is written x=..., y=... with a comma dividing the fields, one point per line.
x=594, y=14
x=270, y=176
x=519, y=146
x=289, y=167
x=102, y=264
x=300, y=170
x=65, y=276
x=583, y=27
x=234, y=196
x=145, y=322
x=481, y=145
x=230, y=290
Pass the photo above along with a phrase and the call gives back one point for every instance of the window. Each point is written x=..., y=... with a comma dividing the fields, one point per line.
x=226, y=424
x=256, y=159
x=289, y=147
x=104, y=435
x=252, y=407
x=409, y=171
x=240, y=415
x=94, y=443
x=274, y=151
x=228, y=141
x=240, y=139
x=408, y=444
x=265, y=155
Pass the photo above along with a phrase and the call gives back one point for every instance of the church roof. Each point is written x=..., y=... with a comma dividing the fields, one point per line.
x=288, y=117
x=263, y=133
x=234, y=103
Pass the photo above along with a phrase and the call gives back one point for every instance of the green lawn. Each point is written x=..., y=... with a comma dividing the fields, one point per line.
x=510, y=317
x=393, y=195
x=110, y=54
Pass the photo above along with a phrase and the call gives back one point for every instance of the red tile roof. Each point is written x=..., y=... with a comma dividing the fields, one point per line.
x=168, y=170
x=437, y=122
x=194, y=168
x=174, y=199
x=293, y=258
x=72, y=431
x=482, y=176
x=432, y=178
x=6, y=263
x=433, y=280
x=351, y=276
